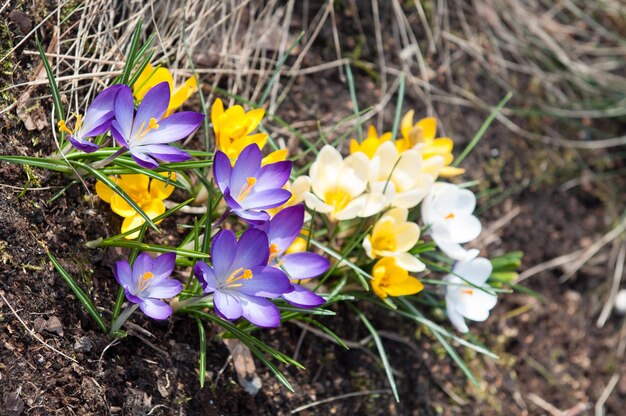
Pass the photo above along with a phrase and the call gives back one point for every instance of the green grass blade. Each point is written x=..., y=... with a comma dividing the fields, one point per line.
x=140, y=67
x=279, y=66
x=397, y=117
x=361, y=274
x=202, y=356
x=44, y=163
x=54, y=88
x=336, y=338
x=455, y=356
x=131, y=54
x=481, y=131
x=80, y=294
x=355, y=103
x=148, y=247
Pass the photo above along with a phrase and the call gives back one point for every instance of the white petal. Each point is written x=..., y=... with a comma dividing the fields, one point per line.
x=409, y=262
x=456, y=319
x=455, y=251
x=374, y=203
x=316, y=204
x=299, y=187
x=367, y=245
x=463, y=229
x=475, y=271
x=352, y=210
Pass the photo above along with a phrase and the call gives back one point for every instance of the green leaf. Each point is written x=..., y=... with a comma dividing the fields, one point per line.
x=397, y=116
x=202, y=357
x=131, y=54
x=80, y=294
x=355, y=103
x=54, y=88
x=44, y=163
x=148, y=247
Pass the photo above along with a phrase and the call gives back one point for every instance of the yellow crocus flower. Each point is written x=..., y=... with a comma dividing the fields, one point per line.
x=152, y=76
x=392, y=280
x=423, y=132
x=233, y=126
x=148, y=194
x=371, y=143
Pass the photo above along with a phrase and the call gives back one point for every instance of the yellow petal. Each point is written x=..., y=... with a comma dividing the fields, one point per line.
x=154, y=77
x=141, y=81
x=429, y=127
x=130, y=223
x=276, y=156
x=440, y=147
x=161, y=190
x=104, y=192
x=354, y=146
x=154, y=208
x=407, y=286
x=135, y=183
x=121, y=207
x=182, y=94
x=254, y=118
x=450, y=171
x=406, y=124
x=371, y=131
x=216, y=112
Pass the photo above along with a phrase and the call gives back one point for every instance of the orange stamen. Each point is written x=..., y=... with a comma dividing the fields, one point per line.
x=450, y=216
x=468, y=291
x=246, y=189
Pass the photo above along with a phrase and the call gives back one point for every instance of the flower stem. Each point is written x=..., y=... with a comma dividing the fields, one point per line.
x=102, y=163
x=176, y=306
x=117, y=324
x=221, y=219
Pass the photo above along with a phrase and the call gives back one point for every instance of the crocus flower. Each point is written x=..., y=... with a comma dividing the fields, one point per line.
x=146, y=283
x=249, y=188
x=393, y=236
x=146, y=133
x=282, y=231
x=466, y=301
x=300, y=186
x=240, y=279
x=151, y=77
x=392, y=280
x=338, y=186
x=371, y=143
x=148, y=193
x=423, y=134
x=398, y=177
x=97, y=120
x=448, y=211
x=233, y=127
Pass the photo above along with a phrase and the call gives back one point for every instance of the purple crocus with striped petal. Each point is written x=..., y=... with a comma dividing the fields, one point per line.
x=96, y=121
x=240, y=279
x=282, y=230
x=250, y=188
x=146, y=283
x=146, y=133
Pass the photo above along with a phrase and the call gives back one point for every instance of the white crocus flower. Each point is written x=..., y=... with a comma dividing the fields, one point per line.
x=338, y=186
x=399, y=177
x=393, y=236
x=448, y=211
x=464, y=301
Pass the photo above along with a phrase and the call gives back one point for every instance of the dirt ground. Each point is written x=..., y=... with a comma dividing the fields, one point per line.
x=553, y=357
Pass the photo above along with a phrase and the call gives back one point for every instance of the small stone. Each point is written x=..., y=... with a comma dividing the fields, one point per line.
x=620, y=302
x=83, y=344
x=13, y=405
x=54, y=325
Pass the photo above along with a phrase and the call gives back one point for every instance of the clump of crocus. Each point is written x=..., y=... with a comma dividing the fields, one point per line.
x=148, y=193
x=467, y=293
x=282, y=231
x=146, y=134
x=240, y=279
x=234, y=126
x=389, y=279
x=151, y=77
x=447, y=210
x=146, y=284
x=249, y=188
x=96, y=121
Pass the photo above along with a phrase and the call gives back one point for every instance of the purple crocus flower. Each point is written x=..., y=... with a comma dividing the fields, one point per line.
x=146, y=133
x=250, y=188
x=240, y=279
x=146, y=283
x=282, y=230
x=97, y=120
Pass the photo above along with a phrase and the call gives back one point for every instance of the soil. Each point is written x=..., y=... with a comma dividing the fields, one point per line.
x=54, y=360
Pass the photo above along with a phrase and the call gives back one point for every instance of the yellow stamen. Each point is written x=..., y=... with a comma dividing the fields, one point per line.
x=468, y=291
x=143, y=130
x=384, y=243
x=144, y=283
x=246, y=189
x=79, y=121
x=337, y=198
x=450, y=216
x=238, y=274
x=63, y=127
x=273, y=252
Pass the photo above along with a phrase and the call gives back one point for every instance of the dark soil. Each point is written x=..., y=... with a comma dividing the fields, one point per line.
x=550, y=348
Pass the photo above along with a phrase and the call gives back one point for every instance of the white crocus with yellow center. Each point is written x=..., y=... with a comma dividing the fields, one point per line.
x=468, y=296
x=447, y=210
x=399, y=177
x=338, y=186
x=393, y=236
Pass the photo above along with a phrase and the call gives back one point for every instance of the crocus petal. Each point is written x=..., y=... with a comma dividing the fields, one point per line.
x=253, y=217
x=409, y=262
x=132, y=298
x=164, y=152
x=130, y=223
x=100, y=111
x=475, y=271
x=316, y=204
x=205, y=275
x=124, y=111
x=408, y=286
x=100, y=128
x=164, y=289
x=116, y=132
x=156, y=309
x=223, y=249
x=303, y=298
x=454, y=250
x=456, y=319
x=153, y=105
x=164, y=265
x=273, y=176
x=269, y=198
x=261, y=312
x=305, y=265
x=353, y=209
x=464, y=228
x=227, y=305
x=83, y=145
x=172, y=128
x=143, y=264
x=247, y=166
x=285, y=227
x=143, y=159
x=222, y=170
x=252, y=250
x=477, y=305
x=123, y=274
x=268, y=282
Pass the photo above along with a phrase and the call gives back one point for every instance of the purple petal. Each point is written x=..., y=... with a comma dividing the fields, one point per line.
x=175, y=127
x=117, y=135
x=163, y=152
x=285, y=227
x=132, y=298
x=252, y=217
x=260, y=312
x=246, y=166
x=305, y=265
x=143, y=159
x=269, y=198
x=156, y=309
x=99, y=129
x=273, y=176
x=123, y=274
x=163, y=265
x=83, y=145
x=142, y=264
x=163, y=289
x=124, y=111
x=223, y=249
x=268, y=282
x=100, y=111
x=205, y=275
x=303, y=298
x=222, y=170
x=153, y=105
x=230, y=201
x=227, y=306
x=252, y=250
